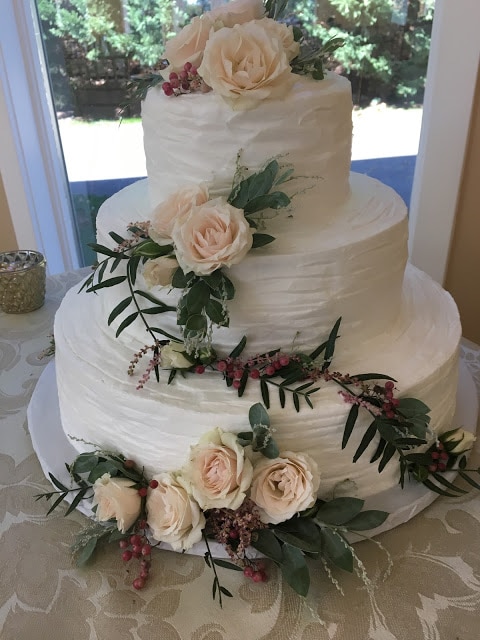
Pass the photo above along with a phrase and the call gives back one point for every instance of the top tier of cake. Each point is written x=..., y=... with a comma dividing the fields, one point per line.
x=196, y=138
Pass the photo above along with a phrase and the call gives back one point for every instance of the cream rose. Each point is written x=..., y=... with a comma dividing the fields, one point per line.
x=159, y=271
x=464, y=440
x=245, y=66
x=284, y=486
x=237, y=12
x=189, y=44
x=283, y=33
x=173, y=515
x=174, y=207
x=211, y=236
x=116, y=498
x=218, y=472
x=173, y=356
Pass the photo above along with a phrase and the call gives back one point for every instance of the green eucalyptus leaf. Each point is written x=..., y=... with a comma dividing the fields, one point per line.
x=111, y=282
x=126, y=322
x=57, y=483
x=227, y=565
x=257, y=414
x=372, y=376
x=274, y=200
x=368, y=436
x=196, y=325
x=216, y=313
x=271, y=450
x=468, y=479
x=370, y=519
x=76, y=501
x=101, y=469
x=197, y=297
x=85, y=462
x=410, y=407
x=86, y=552
x=265, y=393
x=150, y=249
x=265, y=541
x=121, y=306
x=350, y=423
x=261, y=239
x=294, y=569
x=58, y=501
x=388, y=454
x=330, y=346
x=337, y=549
x=179, y=279
x=433, y=487
x=239, y=348
x=115, y=236
x=339, y=511
x=258, y=184
x=443, y=481
x=295, y=540
x=105, y=251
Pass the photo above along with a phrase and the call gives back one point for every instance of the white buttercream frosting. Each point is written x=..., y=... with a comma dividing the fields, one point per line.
x=357, y=267
x=196, y=138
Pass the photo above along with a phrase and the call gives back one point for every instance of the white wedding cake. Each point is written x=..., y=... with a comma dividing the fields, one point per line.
x=339, y=251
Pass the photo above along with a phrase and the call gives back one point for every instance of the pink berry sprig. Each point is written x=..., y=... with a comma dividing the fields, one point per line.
x=186, y=81
x=254, y=368
x=137, y=546
x=390, y=403
x=439, y=458
x=255, y=570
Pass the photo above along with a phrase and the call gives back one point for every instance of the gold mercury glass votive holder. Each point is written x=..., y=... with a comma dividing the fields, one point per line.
x=22, y=281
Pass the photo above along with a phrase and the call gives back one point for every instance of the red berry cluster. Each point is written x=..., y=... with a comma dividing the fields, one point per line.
x=439, y=458
x=255, y=367
x=390, y=403
x=256, y=571
x=185, y=81
x=137, y=546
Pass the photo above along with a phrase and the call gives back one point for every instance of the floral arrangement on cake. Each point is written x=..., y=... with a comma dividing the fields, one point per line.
x=240, y=51
x=240, y=491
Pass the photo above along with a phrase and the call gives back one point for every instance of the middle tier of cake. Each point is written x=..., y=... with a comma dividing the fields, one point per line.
x=294, y=289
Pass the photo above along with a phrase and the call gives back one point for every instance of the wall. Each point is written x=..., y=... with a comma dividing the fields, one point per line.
x=463, y=270
x=8, y=240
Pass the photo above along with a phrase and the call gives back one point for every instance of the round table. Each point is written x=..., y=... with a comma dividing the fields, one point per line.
x=425, y=575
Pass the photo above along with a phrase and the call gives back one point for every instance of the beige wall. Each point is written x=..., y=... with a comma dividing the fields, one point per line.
x=7, y=234
x=463, y=270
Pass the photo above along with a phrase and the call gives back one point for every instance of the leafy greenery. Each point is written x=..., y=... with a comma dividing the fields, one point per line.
x=319, y=532
x=384, y=49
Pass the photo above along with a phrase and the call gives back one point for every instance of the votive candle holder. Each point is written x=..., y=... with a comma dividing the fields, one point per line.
x=22, y=281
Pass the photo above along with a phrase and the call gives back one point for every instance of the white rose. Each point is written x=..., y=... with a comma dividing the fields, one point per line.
x=174, y=207
x=159, y=271
x=283, y=33
x=464, y=440
x=245, y=66
x=284, y=486
x=116, y=498
x=173, y=515
x=218, y=472
x=211, y=236
x=173, y=356
x=189, y=44
x=237, y=12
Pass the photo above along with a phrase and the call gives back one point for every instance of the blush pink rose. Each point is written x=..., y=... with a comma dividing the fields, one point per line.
x=245, y=66
x=116, y=498
x=173, y=515
x=284, y=486
x=218, y=472
x=211, y=236
x=174, y=207
x=189, y=44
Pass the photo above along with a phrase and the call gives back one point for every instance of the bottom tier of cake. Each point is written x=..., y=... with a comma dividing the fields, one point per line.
x=157, y=425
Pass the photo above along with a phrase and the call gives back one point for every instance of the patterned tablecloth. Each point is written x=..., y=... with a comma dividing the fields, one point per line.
x=432, y=590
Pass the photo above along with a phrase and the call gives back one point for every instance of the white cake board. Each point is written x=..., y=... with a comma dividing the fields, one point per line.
x=54, y=449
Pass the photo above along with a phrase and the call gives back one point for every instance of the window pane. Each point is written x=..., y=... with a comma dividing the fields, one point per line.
x=93, y=47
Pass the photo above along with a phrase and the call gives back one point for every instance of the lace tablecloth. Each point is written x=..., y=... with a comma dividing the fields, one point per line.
x=431, y=592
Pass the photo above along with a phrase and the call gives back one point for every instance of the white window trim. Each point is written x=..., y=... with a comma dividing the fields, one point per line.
x=31, y=161
x=34, y=176
x=447, y=111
